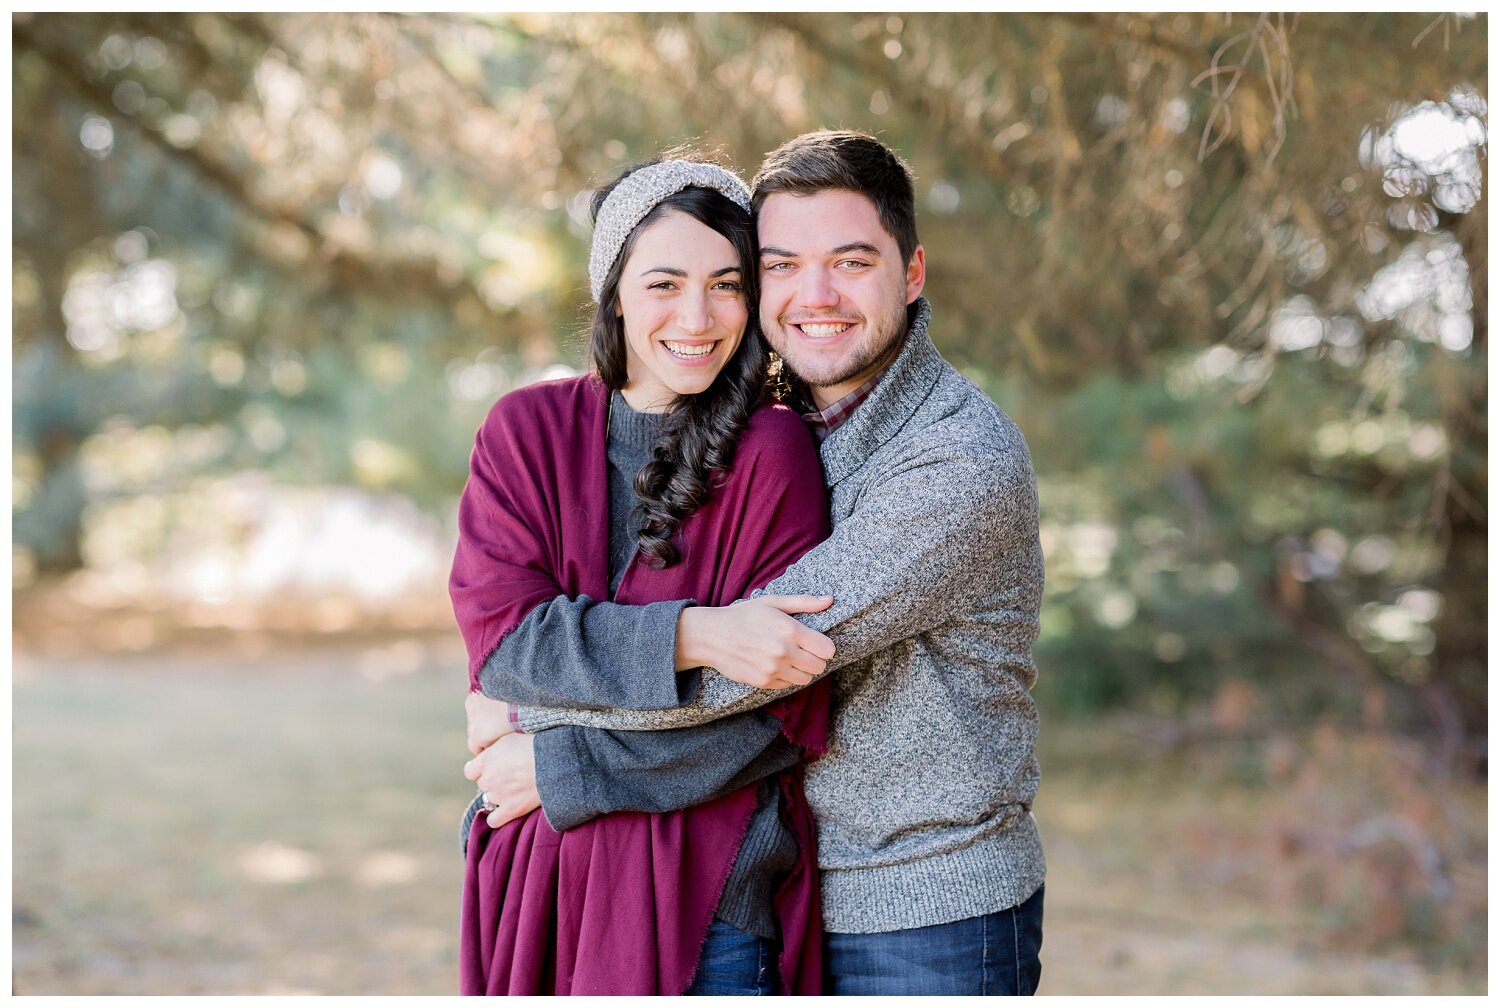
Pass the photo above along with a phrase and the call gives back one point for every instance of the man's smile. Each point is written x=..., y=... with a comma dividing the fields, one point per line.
x=822, y=330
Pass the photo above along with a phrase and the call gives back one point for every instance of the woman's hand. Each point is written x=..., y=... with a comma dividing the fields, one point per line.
x=756, y=642
x=489, y=721
x=506, y=774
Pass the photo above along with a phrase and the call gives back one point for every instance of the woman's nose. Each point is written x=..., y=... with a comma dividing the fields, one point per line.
x=694, y=317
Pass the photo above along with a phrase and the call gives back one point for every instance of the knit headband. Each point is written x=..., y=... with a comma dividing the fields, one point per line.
x=638, y=194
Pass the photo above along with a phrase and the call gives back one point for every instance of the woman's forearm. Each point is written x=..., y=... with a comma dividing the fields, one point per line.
x=578, y=653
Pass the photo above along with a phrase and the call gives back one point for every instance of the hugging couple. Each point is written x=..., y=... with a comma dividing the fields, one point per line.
x=750, y=674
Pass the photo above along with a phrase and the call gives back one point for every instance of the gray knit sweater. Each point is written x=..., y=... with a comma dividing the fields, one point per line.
x=571, y=644
x=924, y=799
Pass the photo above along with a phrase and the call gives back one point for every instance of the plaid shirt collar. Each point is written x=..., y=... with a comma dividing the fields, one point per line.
x=825, y=422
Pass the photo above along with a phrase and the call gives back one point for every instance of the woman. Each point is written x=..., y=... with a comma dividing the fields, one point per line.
x=729, y=495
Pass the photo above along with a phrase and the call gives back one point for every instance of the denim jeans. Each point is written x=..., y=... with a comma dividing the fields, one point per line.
x=998, y=953
x=734, y=962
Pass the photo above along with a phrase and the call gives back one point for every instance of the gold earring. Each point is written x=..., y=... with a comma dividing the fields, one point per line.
x=781, y=385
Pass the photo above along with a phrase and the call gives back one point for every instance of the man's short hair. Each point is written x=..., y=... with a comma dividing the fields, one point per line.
x=840, y=159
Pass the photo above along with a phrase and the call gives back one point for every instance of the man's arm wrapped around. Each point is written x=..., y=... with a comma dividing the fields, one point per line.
x=931, y=538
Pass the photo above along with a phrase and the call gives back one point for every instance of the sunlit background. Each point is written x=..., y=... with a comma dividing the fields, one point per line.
x=1228, y=273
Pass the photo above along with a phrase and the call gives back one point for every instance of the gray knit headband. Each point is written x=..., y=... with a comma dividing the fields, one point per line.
x=638, y=194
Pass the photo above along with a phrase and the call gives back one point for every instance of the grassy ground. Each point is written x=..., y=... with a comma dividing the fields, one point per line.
x=188, y=825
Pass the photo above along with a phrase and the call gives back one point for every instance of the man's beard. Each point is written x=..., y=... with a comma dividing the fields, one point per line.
x=887, y=335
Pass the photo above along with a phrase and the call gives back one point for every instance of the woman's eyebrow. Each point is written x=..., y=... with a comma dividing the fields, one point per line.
x=676, y=272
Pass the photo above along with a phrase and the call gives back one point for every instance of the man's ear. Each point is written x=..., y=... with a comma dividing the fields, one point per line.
x=916, y=274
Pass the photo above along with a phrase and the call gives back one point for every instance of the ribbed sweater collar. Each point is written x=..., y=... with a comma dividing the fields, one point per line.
x=879, y=418
x=629, y=429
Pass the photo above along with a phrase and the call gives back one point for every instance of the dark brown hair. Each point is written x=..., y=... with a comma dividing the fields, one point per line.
x=695, y=444
x=836, y=159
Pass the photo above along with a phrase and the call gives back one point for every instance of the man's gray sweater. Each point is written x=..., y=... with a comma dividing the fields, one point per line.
x=923, y=800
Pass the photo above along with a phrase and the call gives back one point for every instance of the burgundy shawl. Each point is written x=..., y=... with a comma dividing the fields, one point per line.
x=622, y=904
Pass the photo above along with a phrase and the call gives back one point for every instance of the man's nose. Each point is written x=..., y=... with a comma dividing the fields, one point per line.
x=817, y=289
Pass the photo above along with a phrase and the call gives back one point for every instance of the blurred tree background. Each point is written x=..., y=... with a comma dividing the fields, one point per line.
x=1228, y=272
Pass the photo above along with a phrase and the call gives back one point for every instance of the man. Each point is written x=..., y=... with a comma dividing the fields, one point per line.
x=932, y=866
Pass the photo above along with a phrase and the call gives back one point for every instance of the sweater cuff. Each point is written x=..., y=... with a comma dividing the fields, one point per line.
x=656, y=643
x=561, y=778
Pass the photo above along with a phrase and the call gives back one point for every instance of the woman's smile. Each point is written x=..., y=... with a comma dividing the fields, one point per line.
x=692, y=353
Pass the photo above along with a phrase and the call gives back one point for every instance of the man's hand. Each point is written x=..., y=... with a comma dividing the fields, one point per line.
x=489, y=720
x=756, y=642
x=506, y=775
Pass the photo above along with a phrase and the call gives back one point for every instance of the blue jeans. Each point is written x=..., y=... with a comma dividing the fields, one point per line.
x=998, y=953
x=734, y=962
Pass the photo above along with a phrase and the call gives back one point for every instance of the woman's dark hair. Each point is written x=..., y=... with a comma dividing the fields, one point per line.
x=695, y=445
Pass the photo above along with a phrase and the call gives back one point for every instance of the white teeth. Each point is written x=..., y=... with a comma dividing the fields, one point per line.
x=683, y=350
x=832, y=329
